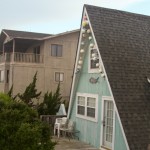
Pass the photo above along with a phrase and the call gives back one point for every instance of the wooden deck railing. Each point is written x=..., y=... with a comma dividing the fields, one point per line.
x=21, y=57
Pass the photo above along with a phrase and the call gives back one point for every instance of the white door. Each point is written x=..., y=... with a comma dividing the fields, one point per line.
x=108, y=117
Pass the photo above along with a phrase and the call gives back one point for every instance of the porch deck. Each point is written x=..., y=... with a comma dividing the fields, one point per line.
x=65, y=144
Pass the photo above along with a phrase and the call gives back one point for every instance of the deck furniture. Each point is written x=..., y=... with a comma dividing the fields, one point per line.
x=59, y=123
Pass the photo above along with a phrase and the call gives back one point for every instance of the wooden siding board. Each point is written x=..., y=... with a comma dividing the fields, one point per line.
x=89, y=131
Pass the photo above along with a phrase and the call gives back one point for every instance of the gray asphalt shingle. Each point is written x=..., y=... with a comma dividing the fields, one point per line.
x=124, y=43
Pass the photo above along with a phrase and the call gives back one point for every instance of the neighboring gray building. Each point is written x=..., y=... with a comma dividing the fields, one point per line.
x=24, y=53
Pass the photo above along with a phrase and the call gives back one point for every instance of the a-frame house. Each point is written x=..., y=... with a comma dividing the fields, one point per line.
x=110, y=95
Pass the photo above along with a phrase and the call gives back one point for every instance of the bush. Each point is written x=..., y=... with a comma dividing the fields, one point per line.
x=30, y=94
x=51, y=103
x=20, y=128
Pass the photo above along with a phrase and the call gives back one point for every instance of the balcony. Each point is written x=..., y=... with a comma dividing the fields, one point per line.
x=21, y=58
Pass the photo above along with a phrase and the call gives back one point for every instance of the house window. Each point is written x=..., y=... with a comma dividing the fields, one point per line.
x=81, y=105
x=59, y=77
x=1, y=75
x=91, y=105
x=56, y=50
x=87, y=106
x=94, y=59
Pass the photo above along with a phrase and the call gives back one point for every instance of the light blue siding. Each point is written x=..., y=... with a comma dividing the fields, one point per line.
x=90, y=131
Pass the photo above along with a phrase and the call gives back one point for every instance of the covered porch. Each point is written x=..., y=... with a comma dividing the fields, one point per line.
x=19, y=50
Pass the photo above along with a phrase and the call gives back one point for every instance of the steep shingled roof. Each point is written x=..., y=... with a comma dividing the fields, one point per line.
x=124, y=43
x=24, y=34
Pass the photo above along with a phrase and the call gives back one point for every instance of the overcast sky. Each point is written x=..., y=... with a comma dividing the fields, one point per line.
x=55, y=16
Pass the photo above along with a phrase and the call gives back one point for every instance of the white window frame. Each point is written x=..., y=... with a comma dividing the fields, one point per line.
x=106, y=98
x=86, y=95
x=94, y=70
x=59, y=76
x=57, y=45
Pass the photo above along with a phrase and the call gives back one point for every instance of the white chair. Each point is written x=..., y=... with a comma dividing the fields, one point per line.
x=59, y=122
x=69, y=129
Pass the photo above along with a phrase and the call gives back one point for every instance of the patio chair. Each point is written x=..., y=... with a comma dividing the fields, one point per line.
x=59, y=122
x=69, y=129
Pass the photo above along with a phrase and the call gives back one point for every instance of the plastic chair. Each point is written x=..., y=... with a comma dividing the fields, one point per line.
x=59, y=122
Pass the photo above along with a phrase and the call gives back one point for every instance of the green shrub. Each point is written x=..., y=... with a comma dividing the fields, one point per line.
x=20, y=128
x=30, y=94
x=51, y=103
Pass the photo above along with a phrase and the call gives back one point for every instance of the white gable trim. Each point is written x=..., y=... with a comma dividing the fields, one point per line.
x=75, y=69
x=115, y=108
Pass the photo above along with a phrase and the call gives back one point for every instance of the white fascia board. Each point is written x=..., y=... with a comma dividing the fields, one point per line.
x=60, y=34
x=5, y=33
x=75, y=68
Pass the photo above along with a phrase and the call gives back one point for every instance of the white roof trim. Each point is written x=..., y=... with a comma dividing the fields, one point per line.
x=60, y=34
x=5, y=33
x=74, y=73
x=148, y=79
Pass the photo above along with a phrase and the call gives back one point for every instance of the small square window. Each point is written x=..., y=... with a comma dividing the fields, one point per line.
x=94, y=59
x=59, y=77
x=56, y=50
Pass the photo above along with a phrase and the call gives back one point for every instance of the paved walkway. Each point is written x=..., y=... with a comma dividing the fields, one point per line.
x=65, y=144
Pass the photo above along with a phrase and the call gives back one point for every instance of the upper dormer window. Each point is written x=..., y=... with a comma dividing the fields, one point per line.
x=94, y=59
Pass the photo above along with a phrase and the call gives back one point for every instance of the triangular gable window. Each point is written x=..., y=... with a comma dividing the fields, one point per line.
x=94, y=59
x=87, y=38
x=87, y=43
